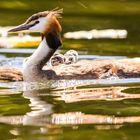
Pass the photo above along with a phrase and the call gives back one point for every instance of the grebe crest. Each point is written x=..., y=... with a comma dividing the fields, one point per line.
x=42, y=22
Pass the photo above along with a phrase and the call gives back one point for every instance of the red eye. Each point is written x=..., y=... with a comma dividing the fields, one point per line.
x=70, y=59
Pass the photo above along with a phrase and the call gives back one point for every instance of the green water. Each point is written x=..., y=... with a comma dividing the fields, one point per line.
x=103, y=112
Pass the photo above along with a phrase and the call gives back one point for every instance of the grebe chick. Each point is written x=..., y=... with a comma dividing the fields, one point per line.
x=57, y=59
x=71, y=57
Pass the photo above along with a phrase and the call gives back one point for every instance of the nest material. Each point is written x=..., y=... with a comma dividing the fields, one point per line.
x=84, y=69
x=10, y=74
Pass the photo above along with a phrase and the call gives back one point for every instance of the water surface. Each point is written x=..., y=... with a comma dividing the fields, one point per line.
x=96, y=109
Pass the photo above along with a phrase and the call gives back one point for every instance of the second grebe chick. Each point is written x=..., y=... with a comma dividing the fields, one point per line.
x=71, y=57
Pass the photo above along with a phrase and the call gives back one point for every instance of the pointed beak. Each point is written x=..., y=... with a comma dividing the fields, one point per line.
x=20, y=28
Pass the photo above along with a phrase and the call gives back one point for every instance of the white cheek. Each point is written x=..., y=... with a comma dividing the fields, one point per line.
x=41, y=26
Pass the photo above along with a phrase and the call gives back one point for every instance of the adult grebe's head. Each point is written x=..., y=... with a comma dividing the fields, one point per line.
x=42, y=22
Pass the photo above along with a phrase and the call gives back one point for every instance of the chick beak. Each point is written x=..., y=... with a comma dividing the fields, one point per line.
x=20, y=28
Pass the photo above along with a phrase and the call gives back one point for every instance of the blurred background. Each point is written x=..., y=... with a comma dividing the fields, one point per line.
x=84, y=15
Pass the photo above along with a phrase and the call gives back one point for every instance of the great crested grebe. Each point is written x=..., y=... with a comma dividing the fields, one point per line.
x=47, y=24
x=33, y=69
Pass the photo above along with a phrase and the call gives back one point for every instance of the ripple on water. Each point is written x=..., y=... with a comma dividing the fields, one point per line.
x=63, y=84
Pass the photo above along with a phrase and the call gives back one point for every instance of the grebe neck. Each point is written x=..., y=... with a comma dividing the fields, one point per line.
x=32, y=69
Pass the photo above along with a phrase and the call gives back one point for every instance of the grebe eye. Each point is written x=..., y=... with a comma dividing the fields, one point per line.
x=70, y=59
x=36, y=21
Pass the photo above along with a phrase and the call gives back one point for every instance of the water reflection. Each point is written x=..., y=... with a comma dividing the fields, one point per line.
x=81, y=118
x=40, y=110
x=112, y=94
x=39, y=114
x=43, y=114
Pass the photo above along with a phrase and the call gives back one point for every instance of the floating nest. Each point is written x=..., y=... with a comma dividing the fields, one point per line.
x=84, y=69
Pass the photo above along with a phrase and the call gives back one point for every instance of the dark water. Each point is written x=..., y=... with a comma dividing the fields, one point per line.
x=101, y=109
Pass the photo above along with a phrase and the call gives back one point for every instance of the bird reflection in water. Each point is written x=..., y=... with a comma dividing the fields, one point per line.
x=43, y=115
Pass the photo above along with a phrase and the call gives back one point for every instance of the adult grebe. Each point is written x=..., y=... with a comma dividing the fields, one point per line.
x=47, y=24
